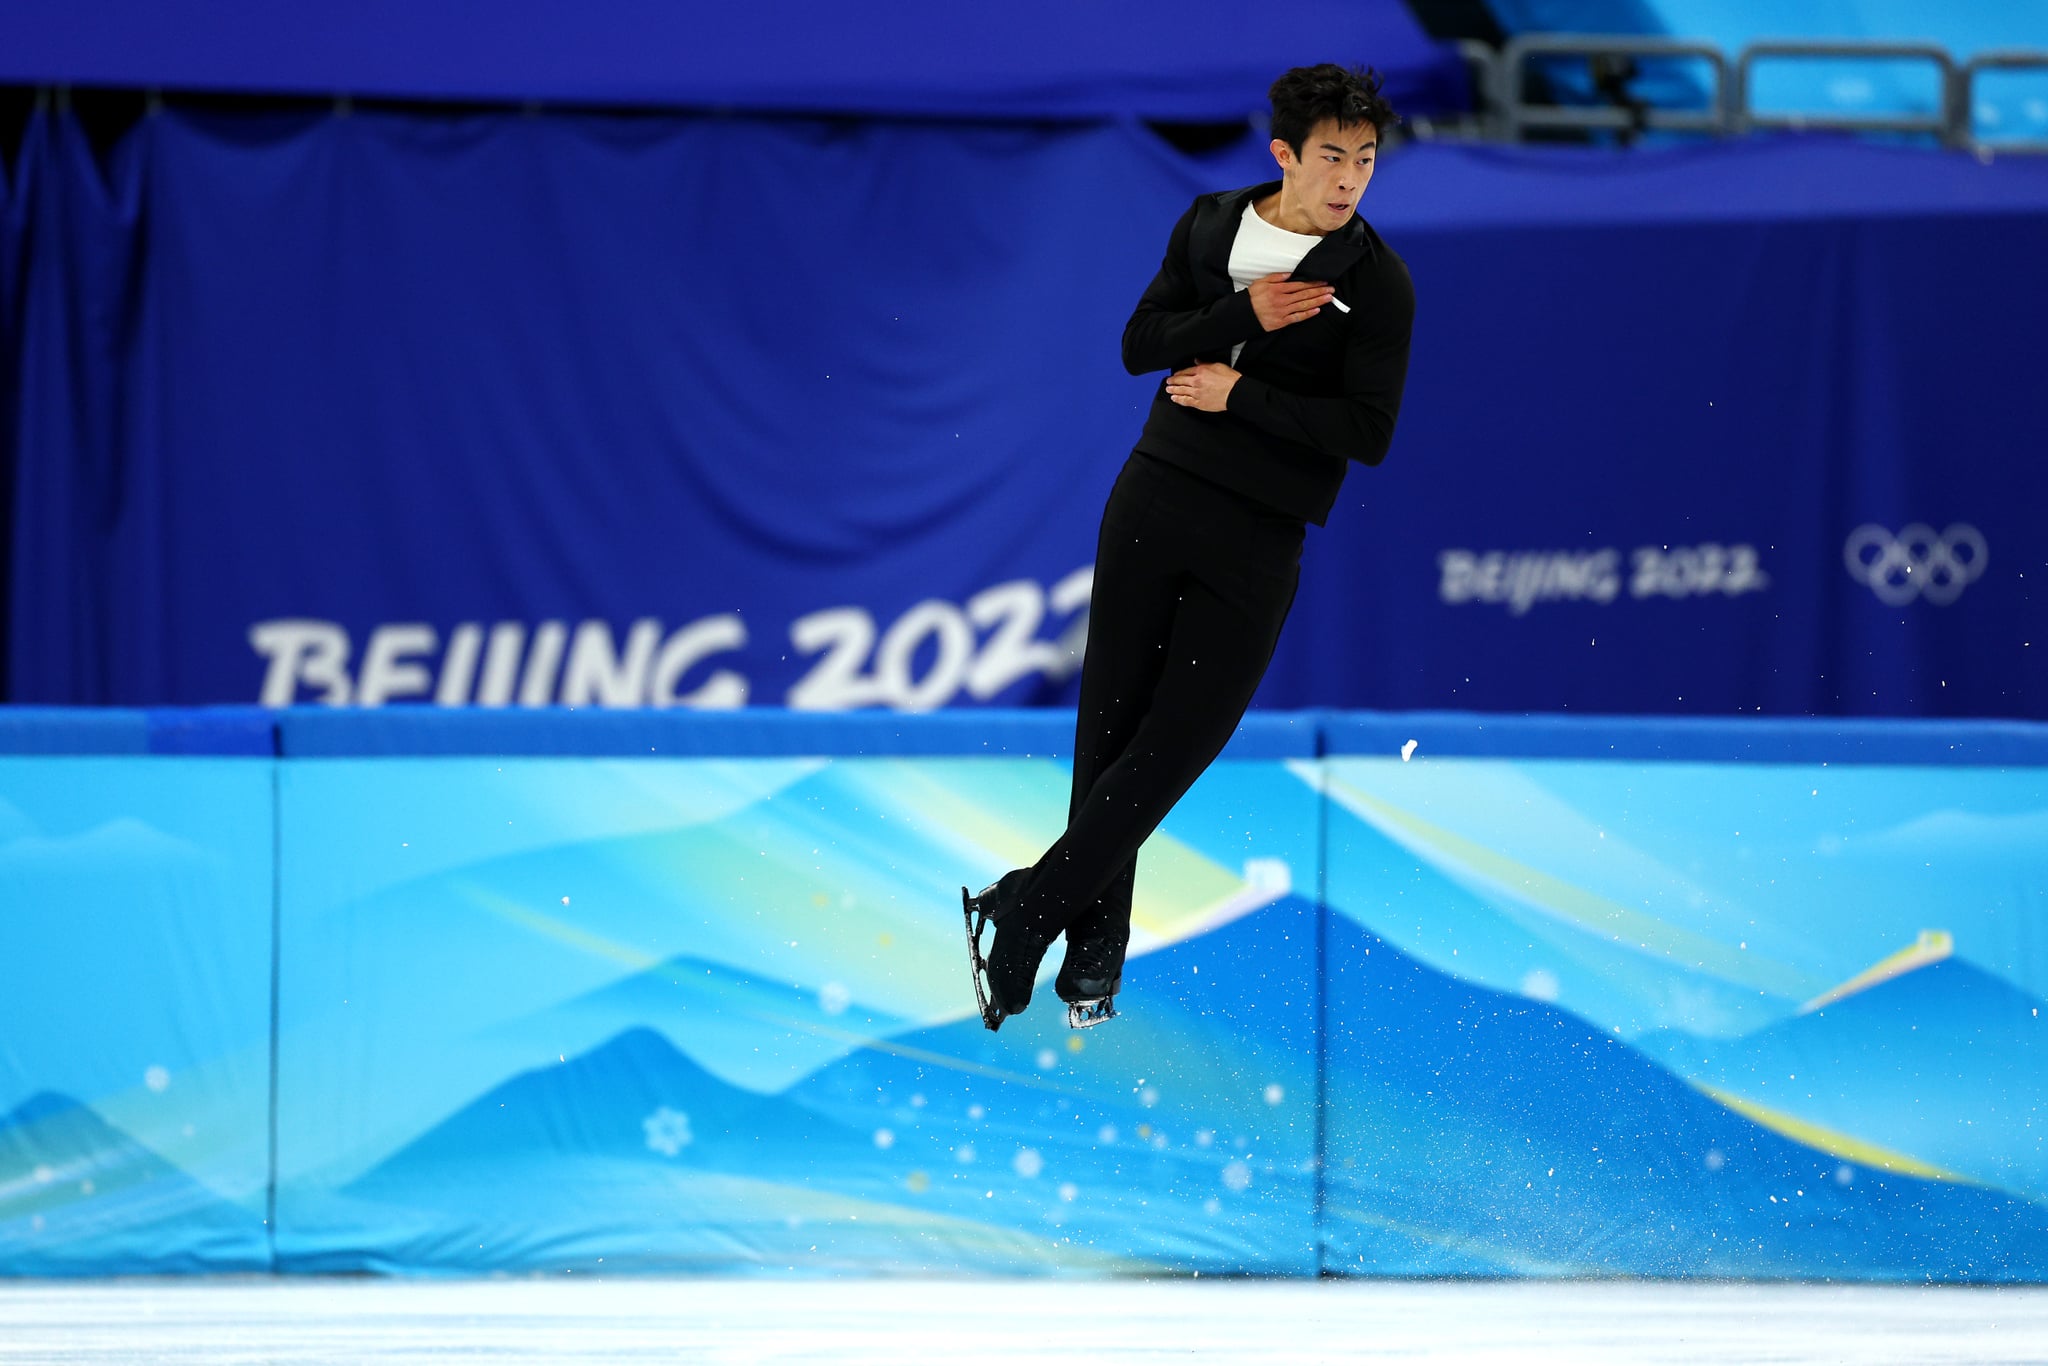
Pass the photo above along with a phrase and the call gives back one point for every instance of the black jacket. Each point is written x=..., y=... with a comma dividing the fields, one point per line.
x=1314, y=396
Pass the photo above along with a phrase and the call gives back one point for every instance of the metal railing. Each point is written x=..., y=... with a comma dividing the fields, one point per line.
x=1943, y=123
x=1507, y=114
x=1511, y=85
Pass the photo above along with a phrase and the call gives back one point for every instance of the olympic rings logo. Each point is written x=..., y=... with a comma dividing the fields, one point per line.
x=1916, y=563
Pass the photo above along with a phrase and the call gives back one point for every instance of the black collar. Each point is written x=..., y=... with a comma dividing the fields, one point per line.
x=1215, y=233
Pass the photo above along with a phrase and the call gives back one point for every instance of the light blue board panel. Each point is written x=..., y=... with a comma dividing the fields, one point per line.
x=135, y=909
x=715, y=1014
x=1688, y=1019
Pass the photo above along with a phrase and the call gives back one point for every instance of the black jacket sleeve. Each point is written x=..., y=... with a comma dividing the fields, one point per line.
x=1359, y=425
x=1171, y=326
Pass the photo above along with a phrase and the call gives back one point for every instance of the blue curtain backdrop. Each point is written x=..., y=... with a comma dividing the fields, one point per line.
x=616, y=411
x=1055, y=59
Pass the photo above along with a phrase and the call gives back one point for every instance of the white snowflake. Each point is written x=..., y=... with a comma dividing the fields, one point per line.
x=1237, y=1175
x=668, y=1131
x=1275, y=1093
x=157, y=1079
x=1028, y=1163
x=1269, y=876
x=834, y=998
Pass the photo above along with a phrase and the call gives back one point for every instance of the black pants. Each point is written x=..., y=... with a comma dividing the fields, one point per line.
x=1192, y=585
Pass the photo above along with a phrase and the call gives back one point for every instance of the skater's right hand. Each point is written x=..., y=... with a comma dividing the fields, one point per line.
x=1279, y=301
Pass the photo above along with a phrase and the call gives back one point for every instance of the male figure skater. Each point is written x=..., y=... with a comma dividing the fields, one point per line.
x=1283, y=319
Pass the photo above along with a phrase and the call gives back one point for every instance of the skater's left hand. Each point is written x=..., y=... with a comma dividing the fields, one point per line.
x=1206, y=387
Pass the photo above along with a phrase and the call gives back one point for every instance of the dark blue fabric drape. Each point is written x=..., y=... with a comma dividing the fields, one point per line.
x=1052, y=59
x=86, y=538
x=10, y=332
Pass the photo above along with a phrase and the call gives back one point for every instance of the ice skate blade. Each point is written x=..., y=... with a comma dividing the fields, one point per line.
x=1088, y=1014
x=992, y=1014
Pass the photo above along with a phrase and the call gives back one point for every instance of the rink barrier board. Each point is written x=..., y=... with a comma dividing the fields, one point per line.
x=1358, y=1010
x=320, y=732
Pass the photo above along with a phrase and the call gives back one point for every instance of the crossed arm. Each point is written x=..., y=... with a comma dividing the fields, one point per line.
x=1171, y=324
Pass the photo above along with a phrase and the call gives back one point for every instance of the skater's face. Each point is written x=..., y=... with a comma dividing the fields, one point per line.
x=1323, y=182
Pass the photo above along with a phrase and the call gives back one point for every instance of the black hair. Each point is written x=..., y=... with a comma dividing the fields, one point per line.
x=1307, y=95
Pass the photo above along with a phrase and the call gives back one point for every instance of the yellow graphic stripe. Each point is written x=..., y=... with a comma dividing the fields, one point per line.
x=1555, y=897
x=918, y=787
x=561, y=931
x=1179, y=890
x=1832, y=1141
x=1931, y=947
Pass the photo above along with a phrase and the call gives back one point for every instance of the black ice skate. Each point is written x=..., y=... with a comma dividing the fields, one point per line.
x=1089, y=979
x=980, y=912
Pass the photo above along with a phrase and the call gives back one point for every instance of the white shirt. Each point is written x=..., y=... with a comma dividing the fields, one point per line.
x=1261, y=250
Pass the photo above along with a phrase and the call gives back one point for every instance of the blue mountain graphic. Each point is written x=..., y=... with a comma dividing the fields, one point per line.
x=80, y=1197
x=1472, y=1132
x=1947, y=1063
x=635, y=1098
x=687, y=986
x=1209, y=1022
x=753, y=1031
x=632, y=1157
x=1467, y=1132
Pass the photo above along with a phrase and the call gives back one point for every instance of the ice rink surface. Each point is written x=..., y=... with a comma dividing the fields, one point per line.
x=1012, y=1322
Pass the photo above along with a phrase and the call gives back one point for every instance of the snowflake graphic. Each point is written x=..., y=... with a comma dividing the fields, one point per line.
x=668, y=1131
